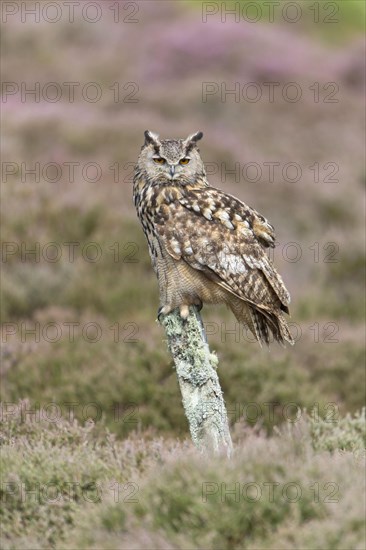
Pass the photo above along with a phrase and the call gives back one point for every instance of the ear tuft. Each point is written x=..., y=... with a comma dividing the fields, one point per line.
x=150, y=137
x=193, y=138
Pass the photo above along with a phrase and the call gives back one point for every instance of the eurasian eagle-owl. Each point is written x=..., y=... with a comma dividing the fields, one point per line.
x=206, y=246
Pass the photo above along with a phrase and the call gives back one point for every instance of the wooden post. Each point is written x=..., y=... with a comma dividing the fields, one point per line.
x=199, y=384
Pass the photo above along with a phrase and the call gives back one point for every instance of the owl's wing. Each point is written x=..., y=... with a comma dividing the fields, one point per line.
x=225, y=239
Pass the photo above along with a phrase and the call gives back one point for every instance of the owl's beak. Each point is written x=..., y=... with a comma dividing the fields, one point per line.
x=172, y=170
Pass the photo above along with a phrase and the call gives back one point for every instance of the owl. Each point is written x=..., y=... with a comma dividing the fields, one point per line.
x=206, y=246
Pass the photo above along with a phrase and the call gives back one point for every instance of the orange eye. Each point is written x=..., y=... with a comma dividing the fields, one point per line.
x=159, y=160
x=184, y=161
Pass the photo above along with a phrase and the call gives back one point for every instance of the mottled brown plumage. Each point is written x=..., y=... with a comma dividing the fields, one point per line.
x=206, y=246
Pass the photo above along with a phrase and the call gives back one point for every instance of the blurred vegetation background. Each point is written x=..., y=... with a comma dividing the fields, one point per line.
x=89, y=292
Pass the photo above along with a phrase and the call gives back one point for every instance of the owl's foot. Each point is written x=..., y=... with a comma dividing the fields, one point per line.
x=183, y=310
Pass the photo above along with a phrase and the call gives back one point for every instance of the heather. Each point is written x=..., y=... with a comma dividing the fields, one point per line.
x=92, y=419
x=80, y=487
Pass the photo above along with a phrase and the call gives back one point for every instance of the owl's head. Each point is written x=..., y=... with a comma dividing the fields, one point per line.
x=168, y=160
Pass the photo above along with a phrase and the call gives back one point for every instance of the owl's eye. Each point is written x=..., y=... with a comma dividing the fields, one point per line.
x=184, y=161
x=159, y=160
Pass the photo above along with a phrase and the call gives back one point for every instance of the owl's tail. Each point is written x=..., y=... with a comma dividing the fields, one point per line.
x=271, y=323
x=265, y=325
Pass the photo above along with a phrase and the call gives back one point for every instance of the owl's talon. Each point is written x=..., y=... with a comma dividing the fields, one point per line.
x=184, y=311
x=159, y=314
x=163, y=310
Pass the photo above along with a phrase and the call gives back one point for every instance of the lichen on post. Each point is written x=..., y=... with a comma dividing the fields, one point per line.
x=198, y=380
